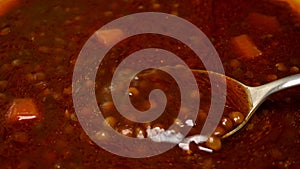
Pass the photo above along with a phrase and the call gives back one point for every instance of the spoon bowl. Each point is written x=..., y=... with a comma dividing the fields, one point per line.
x=247, y=99
x=256, y=95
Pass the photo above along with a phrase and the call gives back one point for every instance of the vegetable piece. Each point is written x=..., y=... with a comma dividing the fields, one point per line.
x=264, y=23
x=244, y=46
x=294, y=4
x=7, y=5
x=23, y=109
x=109, y=37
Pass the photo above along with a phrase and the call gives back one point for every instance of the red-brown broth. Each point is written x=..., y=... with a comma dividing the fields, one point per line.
x=46, y=37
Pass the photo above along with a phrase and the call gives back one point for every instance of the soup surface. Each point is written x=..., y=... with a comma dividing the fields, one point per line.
x=258, y=42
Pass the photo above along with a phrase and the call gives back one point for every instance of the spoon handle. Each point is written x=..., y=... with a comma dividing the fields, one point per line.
x=260, y=93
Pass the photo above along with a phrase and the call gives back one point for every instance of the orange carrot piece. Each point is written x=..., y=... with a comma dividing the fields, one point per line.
x=294, y=4
x=244, y=46
x=7, y=5
x=110, y=36
x=23, y=109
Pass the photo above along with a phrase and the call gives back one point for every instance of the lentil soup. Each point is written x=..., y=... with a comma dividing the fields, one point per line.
x=258, y=42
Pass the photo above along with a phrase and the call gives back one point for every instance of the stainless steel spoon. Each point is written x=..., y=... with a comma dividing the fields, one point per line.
x=256, y=96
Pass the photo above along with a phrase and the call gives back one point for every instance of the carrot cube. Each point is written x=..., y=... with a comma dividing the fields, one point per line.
x=7, y=5
x=110, y=36
x=23, y=109
x=244, y=46
x=294, y=4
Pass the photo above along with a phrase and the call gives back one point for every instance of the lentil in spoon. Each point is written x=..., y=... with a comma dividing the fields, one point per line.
x=255, y=96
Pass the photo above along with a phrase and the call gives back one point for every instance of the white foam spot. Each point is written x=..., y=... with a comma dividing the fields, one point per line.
x=160, y=135
x=189, y=122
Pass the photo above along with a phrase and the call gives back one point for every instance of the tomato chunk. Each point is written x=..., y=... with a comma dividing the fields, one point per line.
x=23, y=109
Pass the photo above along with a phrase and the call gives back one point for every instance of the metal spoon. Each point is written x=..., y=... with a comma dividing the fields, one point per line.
x=256, y=96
